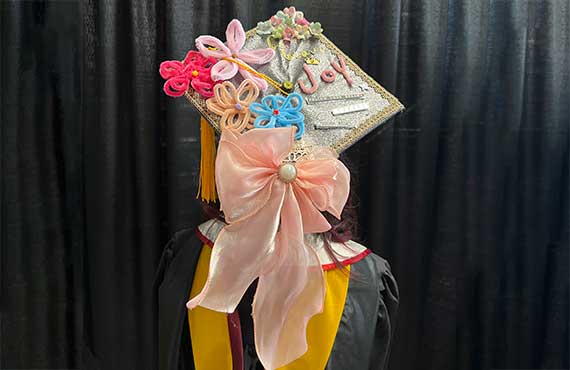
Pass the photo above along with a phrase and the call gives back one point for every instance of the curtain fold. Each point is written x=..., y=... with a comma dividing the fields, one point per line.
x=40, y=186
x=465, y=192
x=124, y=215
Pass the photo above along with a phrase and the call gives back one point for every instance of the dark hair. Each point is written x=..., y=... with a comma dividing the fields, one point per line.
x=341, y=230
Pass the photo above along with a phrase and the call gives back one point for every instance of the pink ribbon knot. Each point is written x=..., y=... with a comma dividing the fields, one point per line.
x=267, y=215
x=193, y=71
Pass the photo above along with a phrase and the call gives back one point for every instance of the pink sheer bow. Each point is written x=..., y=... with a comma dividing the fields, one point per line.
x=211, y=46
x=267, y=218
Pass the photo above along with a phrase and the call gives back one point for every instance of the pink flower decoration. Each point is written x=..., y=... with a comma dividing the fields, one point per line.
x=290, y=11
x=276, y=21
x=288, y=33
x=302, y=21
x=211, y=46
x=193, y=71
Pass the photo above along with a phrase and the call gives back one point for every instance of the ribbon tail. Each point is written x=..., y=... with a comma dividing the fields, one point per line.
x=237, y=245
x=289, y=295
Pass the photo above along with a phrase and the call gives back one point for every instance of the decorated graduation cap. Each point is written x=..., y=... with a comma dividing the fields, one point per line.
x=285, y=102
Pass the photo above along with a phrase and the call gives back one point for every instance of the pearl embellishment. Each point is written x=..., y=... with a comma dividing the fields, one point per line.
x=287, y=172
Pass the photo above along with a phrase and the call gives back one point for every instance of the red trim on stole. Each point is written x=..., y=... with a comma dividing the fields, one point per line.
x=348, y=261
x=236, y=344
x=203, y=238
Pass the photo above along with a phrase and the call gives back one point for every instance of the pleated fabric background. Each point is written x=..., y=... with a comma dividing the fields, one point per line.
x=465, y=193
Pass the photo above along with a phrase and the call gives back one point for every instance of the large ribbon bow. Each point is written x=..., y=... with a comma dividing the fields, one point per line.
x=268, y=210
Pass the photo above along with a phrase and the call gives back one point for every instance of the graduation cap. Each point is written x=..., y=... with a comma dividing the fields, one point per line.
x=286, y=102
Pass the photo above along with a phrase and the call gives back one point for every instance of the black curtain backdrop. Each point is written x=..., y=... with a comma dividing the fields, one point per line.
x=465, y=193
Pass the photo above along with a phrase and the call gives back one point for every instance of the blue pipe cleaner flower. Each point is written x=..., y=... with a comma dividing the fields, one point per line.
x=278, y=111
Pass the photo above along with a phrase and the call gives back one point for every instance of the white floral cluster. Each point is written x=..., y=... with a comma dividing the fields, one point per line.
x=289, y=24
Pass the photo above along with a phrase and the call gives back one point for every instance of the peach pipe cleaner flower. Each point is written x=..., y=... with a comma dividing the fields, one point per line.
x=233, y=104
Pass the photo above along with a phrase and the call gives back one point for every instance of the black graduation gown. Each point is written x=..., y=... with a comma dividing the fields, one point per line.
x=362, y=341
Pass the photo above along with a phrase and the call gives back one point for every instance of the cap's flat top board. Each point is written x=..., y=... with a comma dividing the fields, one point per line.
x=338, y=131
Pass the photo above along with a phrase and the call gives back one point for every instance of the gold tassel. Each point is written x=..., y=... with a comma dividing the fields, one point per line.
x=207, y=182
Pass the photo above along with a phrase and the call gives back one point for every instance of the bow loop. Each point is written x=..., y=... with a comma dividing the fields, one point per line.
x=246, y=165
x=326, y=180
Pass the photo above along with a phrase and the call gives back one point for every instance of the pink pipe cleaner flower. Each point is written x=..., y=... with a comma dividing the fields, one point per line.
x=211, y=46
x=193, y=71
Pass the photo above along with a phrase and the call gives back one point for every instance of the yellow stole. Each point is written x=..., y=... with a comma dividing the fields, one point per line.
x=210, y=334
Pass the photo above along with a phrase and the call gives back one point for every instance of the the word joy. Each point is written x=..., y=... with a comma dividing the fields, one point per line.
x=328, y=76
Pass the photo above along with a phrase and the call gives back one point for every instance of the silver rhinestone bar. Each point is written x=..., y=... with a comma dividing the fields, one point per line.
x=334, y=98
x=322, y=126
x=349, y=109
